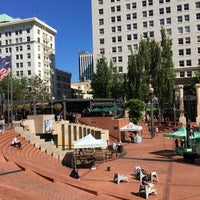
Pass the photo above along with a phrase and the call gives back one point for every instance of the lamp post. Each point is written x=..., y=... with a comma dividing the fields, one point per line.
x=153, y=100
x=52, y=100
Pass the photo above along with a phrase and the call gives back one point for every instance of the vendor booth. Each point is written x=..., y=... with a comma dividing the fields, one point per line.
x=180, y=134
x=130, y=127
x=88, y=142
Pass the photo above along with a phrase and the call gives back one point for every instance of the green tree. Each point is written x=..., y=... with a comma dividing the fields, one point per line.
x=100, y=81
x=135, y=108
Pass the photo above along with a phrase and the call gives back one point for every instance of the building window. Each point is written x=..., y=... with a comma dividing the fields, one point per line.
x=187, y=40
x=120, y=69
x=144, y=24
x=128, y=27
x=150, y=13
x=180, y=40
x=135, y=37
x=128, y=6
x=119, y=28
x=162, y=21
x=189, y=74
x=119, y=38
x=151, y=34
x=187, y=18
x=114, y=59
x=128, y=16
x=144, y=3
x=144, y=13
x=145, y=35
x=100, y=11
x=198, y=16
x=119, y=49
x=28, y=39
x=101, y=31
x=102, y=51
x=198, y=39
x=168, y=20
x=187, y=29
x=135, y=26
x=119, y=18
x=182, y=74
x=118, y=8
x=113, y=39
x=134, y=5
x=134, y=15
x=186, y=6
x=151, y=23
x=161, y=11
x=198, y=49
x=189, y=63
x=101, y=21
x=112, y=9
x=180, y=52
x=28, y=55
x=181, y=63
x=128, y=37
x=179, y=8
x=179, y=19
x=29, y=72
x=120, y=59
x=188, y=51
x=101, y=41
x=168, y=10
x=113, y=29
x=114, y=50
x=100, y=2
x=161, y=1
x=198, y=27
x=180, y=30
x=198, y=4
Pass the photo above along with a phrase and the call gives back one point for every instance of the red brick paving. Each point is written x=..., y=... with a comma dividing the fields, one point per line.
x=177, y=180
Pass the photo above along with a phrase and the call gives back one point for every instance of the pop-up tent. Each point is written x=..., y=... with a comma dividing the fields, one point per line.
x=89, y=142
x=131, y=127
x=180, y=133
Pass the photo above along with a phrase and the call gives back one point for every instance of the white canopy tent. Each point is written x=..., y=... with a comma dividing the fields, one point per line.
x=131, y=127
x=89, y=142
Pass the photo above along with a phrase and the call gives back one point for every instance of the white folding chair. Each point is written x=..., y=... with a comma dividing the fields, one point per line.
x=154, y=174
x=118, y=178
x=136, y=170
x=147, y=190
x=142, y=175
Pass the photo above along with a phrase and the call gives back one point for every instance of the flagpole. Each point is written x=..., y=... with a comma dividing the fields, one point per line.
x=11, y=96
x=8, y=101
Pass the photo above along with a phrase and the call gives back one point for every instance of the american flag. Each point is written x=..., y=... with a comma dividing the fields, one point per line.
x=5, y=65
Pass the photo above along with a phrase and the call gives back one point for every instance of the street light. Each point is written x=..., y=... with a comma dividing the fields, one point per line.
x=52, y=100
x=153, y=100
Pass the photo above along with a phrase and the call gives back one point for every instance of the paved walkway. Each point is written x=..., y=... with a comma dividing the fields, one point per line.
x=32, y=174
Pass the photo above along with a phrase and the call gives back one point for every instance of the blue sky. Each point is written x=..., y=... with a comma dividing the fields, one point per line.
x=71, y=19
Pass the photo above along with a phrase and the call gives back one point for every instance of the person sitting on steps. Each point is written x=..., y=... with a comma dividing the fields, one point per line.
x=16, y=142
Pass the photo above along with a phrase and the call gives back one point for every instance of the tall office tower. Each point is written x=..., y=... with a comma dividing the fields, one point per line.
x=118, y=26
x=31, y=44
x=85, y=66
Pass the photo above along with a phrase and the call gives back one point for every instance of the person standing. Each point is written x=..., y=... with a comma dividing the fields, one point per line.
x=119, y=146
x=114, y=146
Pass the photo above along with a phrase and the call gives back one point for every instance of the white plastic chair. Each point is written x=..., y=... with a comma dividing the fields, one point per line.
x=136, y=170
x=118, y=178
x=154, y=174
x=147, y=190
x=141, y=175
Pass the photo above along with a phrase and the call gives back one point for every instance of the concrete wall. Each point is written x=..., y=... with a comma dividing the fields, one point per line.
x=108, y=123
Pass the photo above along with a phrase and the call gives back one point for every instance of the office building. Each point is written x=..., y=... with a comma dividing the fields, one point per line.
x=118, y=26
x=31, y=44
x=85, y=66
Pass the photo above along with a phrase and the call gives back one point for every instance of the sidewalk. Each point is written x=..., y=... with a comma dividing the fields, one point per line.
x=177, y=180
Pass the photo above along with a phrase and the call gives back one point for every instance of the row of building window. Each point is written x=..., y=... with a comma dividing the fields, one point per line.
x=144, y=2
x=162, y=11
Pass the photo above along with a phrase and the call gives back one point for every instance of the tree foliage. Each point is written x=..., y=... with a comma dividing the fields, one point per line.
x=107, y=82
x=135, y=107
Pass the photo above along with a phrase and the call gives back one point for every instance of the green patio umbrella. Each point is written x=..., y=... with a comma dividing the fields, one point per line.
x=96, y=110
